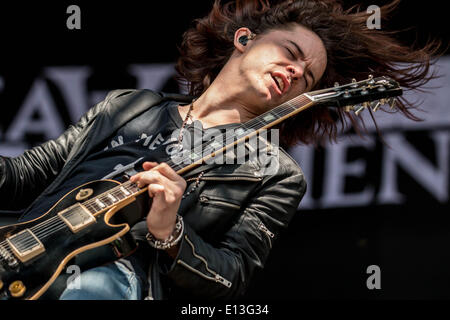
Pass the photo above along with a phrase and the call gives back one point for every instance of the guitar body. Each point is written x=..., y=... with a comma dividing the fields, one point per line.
x=32, y=273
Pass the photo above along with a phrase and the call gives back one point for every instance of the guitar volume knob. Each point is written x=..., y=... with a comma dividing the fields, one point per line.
x=17, y=289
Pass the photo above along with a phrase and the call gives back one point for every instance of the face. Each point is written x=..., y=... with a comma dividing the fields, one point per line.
x=280, y=65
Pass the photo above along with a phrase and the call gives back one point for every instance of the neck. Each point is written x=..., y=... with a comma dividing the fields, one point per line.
x=220, y=104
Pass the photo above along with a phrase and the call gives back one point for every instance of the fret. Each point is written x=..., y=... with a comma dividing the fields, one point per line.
x=290, y=105
x=209, y=150
x=239, y=132
x=105, y=200
x=89, y=205
x=133, y=188
x=100, y=203
x=112, y=198
x=92, y=206
x=215, y=145
x=176, y=166
x=118, y=194
x=269, y=117
x=194, y=156
x=125, y=191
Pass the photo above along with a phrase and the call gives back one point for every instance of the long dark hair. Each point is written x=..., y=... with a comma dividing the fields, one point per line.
x=353, y=51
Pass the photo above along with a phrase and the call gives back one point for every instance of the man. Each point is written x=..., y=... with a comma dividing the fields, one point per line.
x=207, y=231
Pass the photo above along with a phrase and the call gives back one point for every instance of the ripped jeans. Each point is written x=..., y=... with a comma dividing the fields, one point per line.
x=115, y=281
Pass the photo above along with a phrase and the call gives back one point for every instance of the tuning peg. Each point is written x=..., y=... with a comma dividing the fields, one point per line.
x=371, y=81
x=381, y=88
x=336, y=84
x=348, y=108
x=364, y=91
x=375, y=105
x=354, y=85
x=358, y=108
x=347, y=94
x=392, y=102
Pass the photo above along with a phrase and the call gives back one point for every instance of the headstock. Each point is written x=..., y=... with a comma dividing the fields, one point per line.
x=359, y=95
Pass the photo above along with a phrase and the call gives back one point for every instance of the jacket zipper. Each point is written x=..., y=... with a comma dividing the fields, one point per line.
x=204, y=199
x=217, y=277
x=226, y=179
x=270, y=234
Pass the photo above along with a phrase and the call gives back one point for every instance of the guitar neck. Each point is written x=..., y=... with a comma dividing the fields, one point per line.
x=242, y=133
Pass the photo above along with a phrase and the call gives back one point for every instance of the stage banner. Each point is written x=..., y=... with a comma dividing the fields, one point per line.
x=407, y=163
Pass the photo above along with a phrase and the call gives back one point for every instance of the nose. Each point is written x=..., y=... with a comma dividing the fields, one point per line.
x=296, y=72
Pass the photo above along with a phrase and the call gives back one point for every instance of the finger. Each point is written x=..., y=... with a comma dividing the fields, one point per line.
x=149, y=177
x=147, y=165
x=138, y=176
x=154, y=189
x=167, y=171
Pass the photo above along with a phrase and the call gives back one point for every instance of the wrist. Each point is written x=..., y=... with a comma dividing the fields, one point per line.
x=162, y=234
x=165, y=241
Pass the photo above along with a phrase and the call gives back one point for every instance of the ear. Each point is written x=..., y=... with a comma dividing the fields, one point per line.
x=238, y=34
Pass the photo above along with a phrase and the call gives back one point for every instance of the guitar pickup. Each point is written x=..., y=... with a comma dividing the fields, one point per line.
x=25, y=245
x=77, y=217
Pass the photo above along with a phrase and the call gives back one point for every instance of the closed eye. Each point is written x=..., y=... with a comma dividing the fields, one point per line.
x=291, y=53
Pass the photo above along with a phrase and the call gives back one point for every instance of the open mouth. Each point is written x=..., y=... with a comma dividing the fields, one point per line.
x=280, y=81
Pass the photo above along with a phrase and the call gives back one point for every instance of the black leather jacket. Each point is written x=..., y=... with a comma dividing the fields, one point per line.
x=231, y=220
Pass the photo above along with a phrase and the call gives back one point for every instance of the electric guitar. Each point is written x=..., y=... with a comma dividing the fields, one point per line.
x=34, y=253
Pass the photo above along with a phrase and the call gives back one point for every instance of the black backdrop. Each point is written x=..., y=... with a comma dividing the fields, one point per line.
x=326, y=251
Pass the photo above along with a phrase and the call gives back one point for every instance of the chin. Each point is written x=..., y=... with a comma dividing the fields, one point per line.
x=264, y=96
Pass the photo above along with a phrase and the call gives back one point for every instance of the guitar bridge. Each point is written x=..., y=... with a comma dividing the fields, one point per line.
x=77, y=217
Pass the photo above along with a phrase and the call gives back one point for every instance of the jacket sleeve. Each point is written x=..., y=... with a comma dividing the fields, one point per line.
x=224, y=272
x=24, y=177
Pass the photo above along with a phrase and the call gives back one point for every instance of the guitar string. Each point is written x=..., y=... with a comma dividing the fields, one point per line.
x=41, y=231
x=54, y=227
x=86, y=204
x=7, y=249
x=105, y=198
x=102, y=198
x=48, y=225
x=59, y=225
x=23, y=241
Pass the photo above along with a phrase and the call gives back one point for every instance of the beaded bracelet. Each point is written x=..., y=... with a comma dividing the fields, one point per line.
x=172, y=240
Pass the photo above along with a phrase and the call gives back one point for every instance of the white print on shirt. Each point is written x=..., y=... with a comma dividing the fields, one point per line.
x=156, y=142
x=147, y=141
x=120, y=169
